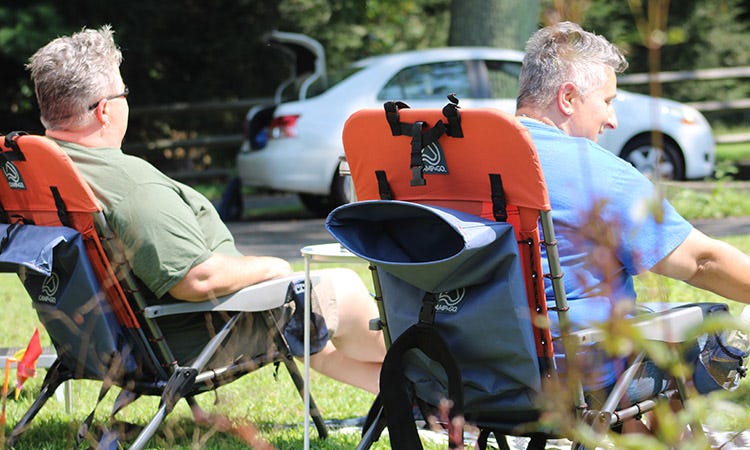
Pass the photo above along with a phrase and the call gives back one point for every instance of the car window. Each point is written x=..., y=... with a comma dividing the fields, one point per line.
x=333, y=79
x=503, y=78
x=428, y=81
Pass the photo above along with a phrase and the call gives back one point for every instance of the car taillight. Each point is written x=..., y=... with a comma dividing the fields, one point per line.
x=283, y=126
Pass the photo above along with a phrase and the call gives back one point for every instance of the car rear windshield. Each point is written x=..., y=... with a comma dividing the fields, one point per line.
x=334, y=77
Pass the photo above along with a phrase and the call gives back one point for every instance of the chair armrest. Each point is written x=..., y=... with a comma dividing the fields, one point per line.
x=258, y=297
x=671, y=326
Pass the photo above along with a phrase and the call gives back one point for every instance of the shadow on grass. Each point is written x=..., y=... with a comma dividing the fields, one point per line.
x=60, y=433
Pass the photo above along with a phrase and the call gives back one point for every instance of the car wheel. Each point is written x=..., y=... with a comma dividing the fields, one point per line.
x=656, y=163
x=342, y=192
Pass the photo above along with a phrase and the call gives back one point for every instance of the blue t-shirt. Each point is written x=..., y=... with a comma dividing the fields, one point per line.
x=610, y=223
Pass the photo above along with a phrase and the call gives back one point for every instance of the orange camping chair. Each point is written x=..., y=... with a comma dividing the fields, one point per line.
x=100, y=318
x=453, y=215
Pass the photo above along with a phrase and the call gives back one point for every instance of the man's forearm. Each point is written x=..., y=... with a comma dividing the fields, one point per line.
x=222, y=275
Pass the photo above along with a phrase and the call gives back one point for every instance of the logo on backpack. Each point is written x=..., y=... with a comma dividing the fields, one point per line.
x=450, y=302
x=49, y=289
x=434, y=159
x=13, y=176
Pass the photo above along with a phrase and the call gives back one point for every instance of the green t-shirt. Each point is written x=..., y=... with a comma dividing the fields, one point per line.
x=165, y=226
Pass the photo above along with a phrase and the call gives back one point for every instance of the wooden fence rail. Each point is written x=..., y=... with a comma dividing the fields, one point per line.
x=742, y=104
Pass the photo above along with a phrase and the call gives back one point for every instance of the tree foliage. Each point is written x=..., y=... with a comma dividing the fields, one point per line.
x=660, y=35
x=193, y=51
x=484, y=23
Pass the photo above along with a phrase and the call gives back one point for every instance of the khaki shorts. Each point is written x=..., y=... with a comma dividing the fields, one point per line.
x=324, y=312
x=324, y=301
x=188, y=333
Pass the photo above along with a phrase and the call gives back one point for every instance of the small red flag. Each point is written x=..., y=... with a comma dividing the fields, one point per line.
x=27, y=364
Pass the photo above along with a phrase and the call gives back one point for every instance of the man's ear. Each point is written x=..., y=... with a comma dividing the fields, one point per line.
x=565, y=96
x=101, y=113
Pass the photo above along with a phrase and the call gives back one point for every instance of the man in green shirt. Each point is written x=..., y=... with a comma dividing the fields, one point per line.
x=174, y=239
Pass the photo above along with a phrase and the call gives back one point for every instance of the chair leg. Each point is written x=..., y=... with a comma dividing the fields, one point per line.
x=696, y=428
x=537, y=443
x=484, y=435
x=180, y=383
x=374, y=425
x=299, y=383
x=56, y=375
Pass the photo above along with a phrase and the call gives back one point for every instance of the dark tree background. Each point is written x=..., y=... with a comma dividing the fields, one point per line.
x=191, y=51
x=479, y=22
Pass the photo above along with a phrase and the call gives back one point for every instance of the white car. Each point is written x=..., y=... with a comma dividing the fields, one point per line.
x=295, y=146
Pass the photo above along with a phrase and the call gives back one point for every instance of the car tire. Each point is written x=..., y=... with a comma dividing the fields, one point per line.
x=664, y=163
x=320, y=205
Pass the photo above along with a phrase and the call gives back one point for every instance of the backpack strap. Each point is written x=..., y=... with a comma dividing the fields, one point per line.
x=396, y=401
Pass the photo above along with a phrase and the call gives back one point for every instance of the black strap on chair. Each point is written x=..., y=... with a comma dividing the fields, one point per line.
x=384, y=188
x=4, y=215
x=416, y=164
x=15, y=153
x=7, y=236
x=421, y=136
x=450, y=111
x=396, y=400
x=62, y=210
x=499, y=205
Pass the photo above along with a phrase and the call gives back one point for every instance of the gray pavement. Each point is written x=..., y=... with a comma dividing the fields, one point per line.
x=282, y=238
x=730, y=226
x=285, y=238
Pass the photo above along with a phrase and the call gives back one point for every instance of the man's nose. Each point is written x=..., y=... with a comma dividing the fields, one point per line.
x=611, y=121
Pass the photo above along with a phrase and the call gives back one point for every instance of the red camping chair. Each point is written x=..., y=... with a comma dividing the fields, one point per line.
x=99, y=316
x=481, y=162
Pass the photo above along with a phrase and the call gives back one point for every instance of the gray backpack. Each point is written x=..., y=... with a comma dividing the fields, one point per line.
x=455, y=308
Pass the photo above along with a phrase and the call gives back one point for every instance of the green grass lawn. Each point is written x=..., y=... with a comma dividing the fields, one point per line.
x=269, y=403
x=264, y=398
x=733, y=152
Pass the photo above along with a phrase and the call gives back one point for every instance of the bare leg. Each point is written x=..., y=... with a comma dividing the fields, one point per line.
x=350, y=319
x=335, y=364
x=355, y=353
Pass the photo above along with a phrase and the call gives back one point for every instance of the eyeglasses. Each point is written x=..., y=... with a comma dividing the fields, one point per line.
x=112, y=97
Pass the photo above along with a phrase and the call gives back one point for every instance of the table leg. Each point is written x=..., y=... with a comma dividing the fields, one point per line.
x=306, y=375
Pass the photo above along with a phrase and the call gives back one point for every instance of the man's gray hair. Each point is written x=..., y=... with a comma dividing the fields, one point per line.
x=73, y=72
x=561, y=53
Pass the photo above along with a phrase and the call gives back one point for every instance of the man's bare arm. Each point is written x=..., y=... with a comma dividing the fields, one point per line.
x=709, y=264
x=222, y=275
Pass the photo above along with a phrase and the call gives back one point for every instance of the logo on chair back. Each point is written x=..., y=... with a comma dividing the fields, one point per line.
x=449, y=302
x=49, y=289
x=434, y=159
x=13, y=176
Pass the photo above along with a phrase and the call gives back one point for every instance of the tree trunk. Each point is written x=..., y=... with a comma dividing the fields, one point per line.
x=493, y=23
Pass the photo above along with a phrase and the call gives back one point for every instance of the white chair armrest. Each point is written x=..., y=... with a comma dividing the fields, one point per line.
x=671, y=326
x=258, y=297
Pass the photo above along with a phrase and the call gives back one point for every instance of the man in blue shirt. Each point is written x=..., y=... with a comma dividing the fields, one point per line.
x=609, y=219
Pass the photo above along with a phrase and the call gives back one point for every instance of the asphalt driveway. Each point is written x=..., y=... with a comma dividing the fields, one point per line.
x=282, y=238
x=285, y=237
